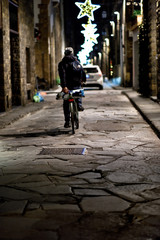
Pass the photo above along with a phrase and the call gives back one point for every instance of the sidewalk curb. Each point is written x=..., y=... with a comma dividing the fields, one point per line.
x=149, y=109
x=19, y=112
x=16, y=113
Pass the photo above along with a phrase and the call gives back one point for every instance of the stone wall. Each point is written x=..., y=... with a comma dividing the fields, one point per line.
x=158, y=47
x=1, y=64
x=144, y=86
x=41, y=45
x=58, y=39
x=15, y=89
x=5, y=98
x=48, y=47
x=152, y=47
x=27, y=44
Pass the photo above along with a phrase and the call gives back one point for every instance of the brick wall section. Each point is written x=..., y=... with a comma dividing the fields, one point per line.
x=158, y=48
x=152, y=47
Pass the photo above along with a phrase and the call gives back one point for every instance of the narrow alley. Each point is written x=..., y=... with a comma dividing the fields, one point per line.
x=50, y=190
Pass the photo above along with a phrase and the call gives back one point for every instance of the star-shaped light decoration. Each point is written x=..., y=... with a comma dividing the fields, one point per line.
x=82, y=55
x=88, y=46
x=90, y=36
x=94, y=38
x=90, y=28
x=87, y=9
x=89, y=32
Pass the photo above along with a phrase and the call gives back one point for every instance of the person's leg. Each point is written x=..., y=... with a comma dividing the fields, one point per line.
x=66, y=113
x=79, y=101
x=79, y=104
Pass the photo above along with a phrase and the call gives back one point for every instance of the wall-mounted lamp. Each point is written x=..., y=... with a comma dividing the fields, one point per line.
x=118, y=15
x=107, y=42
x=113, y=28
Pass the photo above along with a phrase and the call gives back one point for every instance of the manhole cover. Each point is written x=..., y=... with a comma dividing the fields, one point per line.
x=63, y=151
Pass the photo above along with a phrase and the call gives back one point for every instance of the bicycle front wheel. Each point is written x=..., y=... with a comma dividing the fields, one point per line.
x=76, y=116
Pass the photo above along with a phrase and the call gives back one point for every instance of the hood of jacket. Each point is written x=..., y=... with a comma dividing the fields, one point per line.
x=69, y=58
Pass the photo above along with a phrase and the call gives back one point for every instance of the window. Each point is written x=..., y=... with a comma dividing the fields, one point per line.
x=13, y=12
x=91, y=70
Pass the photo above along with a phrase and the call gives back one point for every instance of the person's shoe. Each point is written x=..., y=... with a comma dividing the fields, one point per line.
x=80, y=108
x=67, y=124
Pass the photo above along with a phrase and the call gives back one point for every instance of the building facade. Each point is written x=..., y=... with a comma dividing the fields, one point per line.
x=149, y=50
x=139, y=45
x=17, y=61
x=31, y=45
x=49, y=42
x=33, y=36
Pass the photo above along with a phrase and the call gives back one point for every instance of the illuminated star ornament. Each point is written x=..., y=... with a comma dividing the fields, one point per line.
x=90, y=37
x=87, y=9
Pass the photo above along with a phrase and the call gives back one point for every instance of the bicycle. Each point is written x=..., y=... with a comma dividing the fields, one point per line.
x=71, y=97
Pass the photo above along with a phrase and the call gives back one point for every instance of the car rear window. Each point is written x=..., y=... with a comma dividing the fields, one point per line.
x=91, y=70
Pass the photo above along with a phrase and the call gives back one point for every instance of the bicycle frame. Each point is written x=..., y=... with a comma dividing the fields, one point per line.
x=74, y=114
x=77, y=93
x=71, y=98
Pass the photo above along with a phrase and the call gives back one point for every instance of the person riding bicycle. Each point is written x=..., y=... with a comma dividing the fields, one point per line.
x=72, y=77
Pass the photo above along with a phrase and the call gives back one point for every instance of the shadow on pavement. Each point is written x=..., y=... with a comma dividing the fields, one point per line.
x=51, y=132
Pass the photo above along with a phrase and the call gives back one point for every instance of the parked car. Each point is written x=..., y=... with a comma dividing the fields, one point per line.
x=94, y=76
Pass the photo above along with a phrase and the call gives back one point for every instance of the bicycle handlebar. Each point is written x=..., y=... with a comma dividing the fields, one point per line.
x=76, y=93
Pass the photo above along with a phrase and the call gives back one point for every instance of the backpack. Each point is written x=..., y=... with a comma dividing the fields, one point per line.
x=76, y=69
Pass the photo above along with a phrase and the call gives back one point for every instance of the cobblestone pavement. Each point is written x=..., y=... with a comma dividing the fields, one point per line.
x=49, y=190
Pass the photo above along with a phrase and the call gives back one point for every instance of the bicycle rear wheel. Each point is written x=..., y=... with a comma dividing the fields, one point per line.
x=72, y=116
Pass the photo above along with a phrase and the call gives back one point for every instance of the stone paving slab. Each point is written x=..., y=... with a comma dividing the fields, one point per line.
x=104, y=204
x=63, y=189
x=13, y=207
x=69, y=207
x=15, y=114
x=14, y=194
x=149, y=208
x=89, y=192
x=9, y=226
x=112, y=192
x=7, y=179
x=144, y=105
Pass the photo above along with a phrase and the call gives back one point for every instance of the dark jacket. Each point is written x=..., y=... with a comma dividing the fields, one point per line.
x=68, y=77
